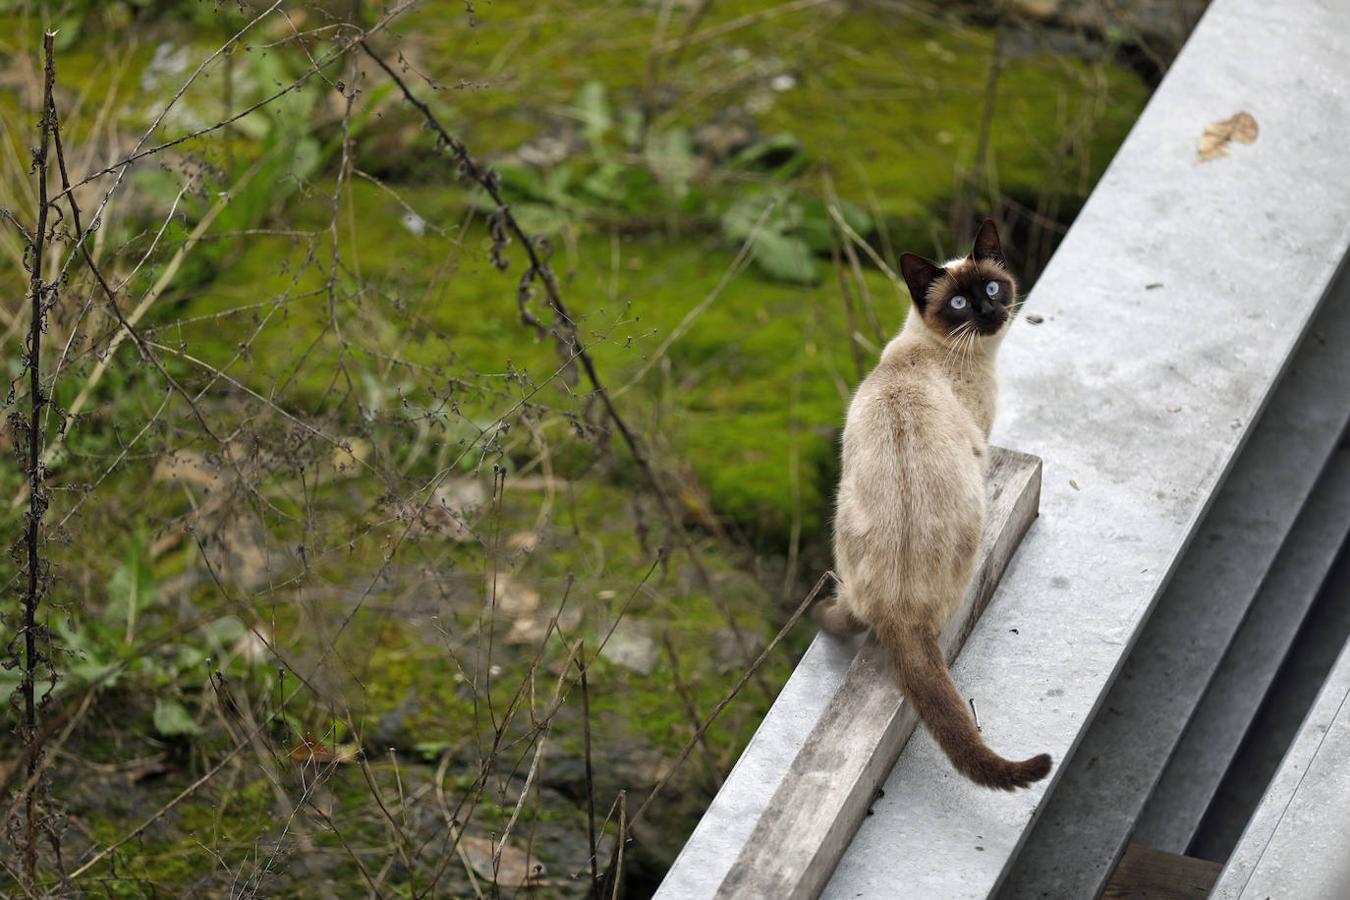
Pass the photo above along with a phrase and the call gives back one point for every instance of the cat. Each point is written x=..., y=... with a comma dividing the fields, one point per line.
x=911, y=500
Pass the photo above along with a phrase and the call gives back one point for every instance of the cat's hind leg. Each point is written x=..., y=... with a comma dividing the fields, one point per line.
x=832, y=616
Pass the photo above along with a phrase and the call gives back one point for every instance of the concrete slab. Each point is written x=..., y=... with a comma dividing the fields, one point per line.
x=1296, y=841
x=721, y=835
x=1243, y=249
x=1103, y=789
x=1309, y=662
x=1170, y=311
x=1210, y=743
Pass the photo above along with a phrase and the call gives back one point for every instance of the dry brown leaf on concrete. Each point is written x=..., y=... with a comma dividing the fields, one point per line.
x=1240, y=128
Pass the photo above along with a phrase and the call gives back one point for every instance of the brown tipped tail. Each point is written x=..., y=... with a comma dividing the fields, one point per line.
x=928, y=685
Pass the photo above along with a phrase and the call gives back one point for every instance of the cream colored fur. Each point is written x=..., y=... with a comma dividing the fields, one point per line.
x=911, y=496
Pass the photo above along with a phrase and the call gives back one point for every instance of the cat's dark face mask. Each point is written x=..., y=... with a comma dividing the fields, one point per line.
x=970, y=296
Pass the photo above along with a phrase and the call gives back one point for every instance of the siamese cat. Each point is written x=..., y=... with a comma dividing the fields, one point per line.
x=911, y=500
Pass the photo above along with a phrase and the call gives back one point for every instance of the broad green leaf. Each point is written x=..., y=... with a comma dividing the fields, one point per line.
x=630, y=126
x=131, y=589
x=430, y=749
x=224, y=632
x=592, y=108
x=784, y=257
x=540, y=218
x=817, y=224
x=670, y=154
x=755, y=212
x=620, y=187
x=781, y=154
x=519, y=182
x=87, y=662
x=172, y=719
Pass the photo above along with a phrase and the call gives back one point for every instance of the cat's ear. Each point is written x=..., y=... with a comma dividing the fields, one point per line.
x=919, y=276
x=987, y=245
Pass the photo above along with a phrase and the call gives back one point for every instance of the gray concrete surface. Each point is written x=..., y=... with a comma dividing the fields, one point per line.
x=1210, y=743
x=1170, y=311
x=833, y=778
x=1295, y=844
x=1243, y=249
x=1323, y=635
x=1104, y=788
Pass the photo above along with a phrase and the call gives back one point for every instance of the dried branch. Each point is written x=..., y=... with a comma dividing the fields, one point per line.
x=37, y=569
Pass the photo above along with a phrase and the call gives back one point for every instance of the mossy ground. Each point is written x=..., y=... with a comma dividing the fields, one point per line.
x=736, y=382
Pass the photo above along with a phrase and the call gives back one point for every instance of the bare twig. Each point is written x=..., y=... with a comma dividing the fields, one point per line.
x=37, y=497
x=590, y=778
x=503, y=223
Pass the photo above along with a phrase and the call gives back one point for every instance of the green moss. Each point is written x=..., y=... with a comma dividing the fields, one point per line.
x=757, y=380
x=738, y=389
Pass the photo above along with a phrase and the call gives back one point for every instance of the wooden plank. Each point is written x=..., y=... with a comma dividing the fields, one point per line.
x=816, y=810
x=1148, y=874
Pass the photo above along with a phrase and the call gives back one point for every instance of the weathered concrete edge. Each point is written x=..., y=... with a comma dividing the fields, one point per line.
x=1105, y=786
x=1302, y=755
x=723, y=833
x=1156, y=217
x=817, y=808
x=1173, y=814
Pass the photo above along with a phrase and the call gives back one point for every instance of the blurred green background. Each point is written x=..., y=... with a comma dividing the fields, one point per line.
x=341, y=559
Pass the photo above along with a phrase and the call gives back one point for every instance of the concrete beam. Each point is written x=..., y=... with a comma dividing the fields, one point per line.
x=1210, y=743
x=1171, y=310
x=1295, y=844
x=1104, y=788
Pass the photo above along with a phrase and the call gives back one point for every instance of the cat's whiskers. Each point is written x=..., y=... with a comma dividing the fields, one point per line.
x=954, y=342
x=969, y=352
x=953, y=348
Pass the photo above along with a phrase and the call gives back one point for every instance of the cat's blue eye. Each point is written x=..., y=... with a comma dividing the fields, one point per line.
x=958, y=302
x=992, y=289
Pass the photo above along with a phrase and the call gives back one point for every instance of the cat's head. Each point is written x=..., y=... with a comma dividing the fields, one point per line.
x=975, y=294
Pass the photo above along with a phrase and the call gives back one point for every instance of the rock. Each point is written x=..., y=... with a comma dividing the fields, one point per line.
x=545, y=150
x=188, y=467
x=451, y=510
x=727, y=650
x=721, y=140
x=392, y=728
x=1036, y=9
x=514, y=597
x=514, y=868
x=351, y=456
x=531, y=629
x=253, y=646
x=630, y=647
x=523, y=542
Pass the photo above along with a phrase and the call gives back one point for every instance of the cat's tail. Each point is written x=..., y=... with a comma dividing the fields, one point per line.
x=928, y=684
